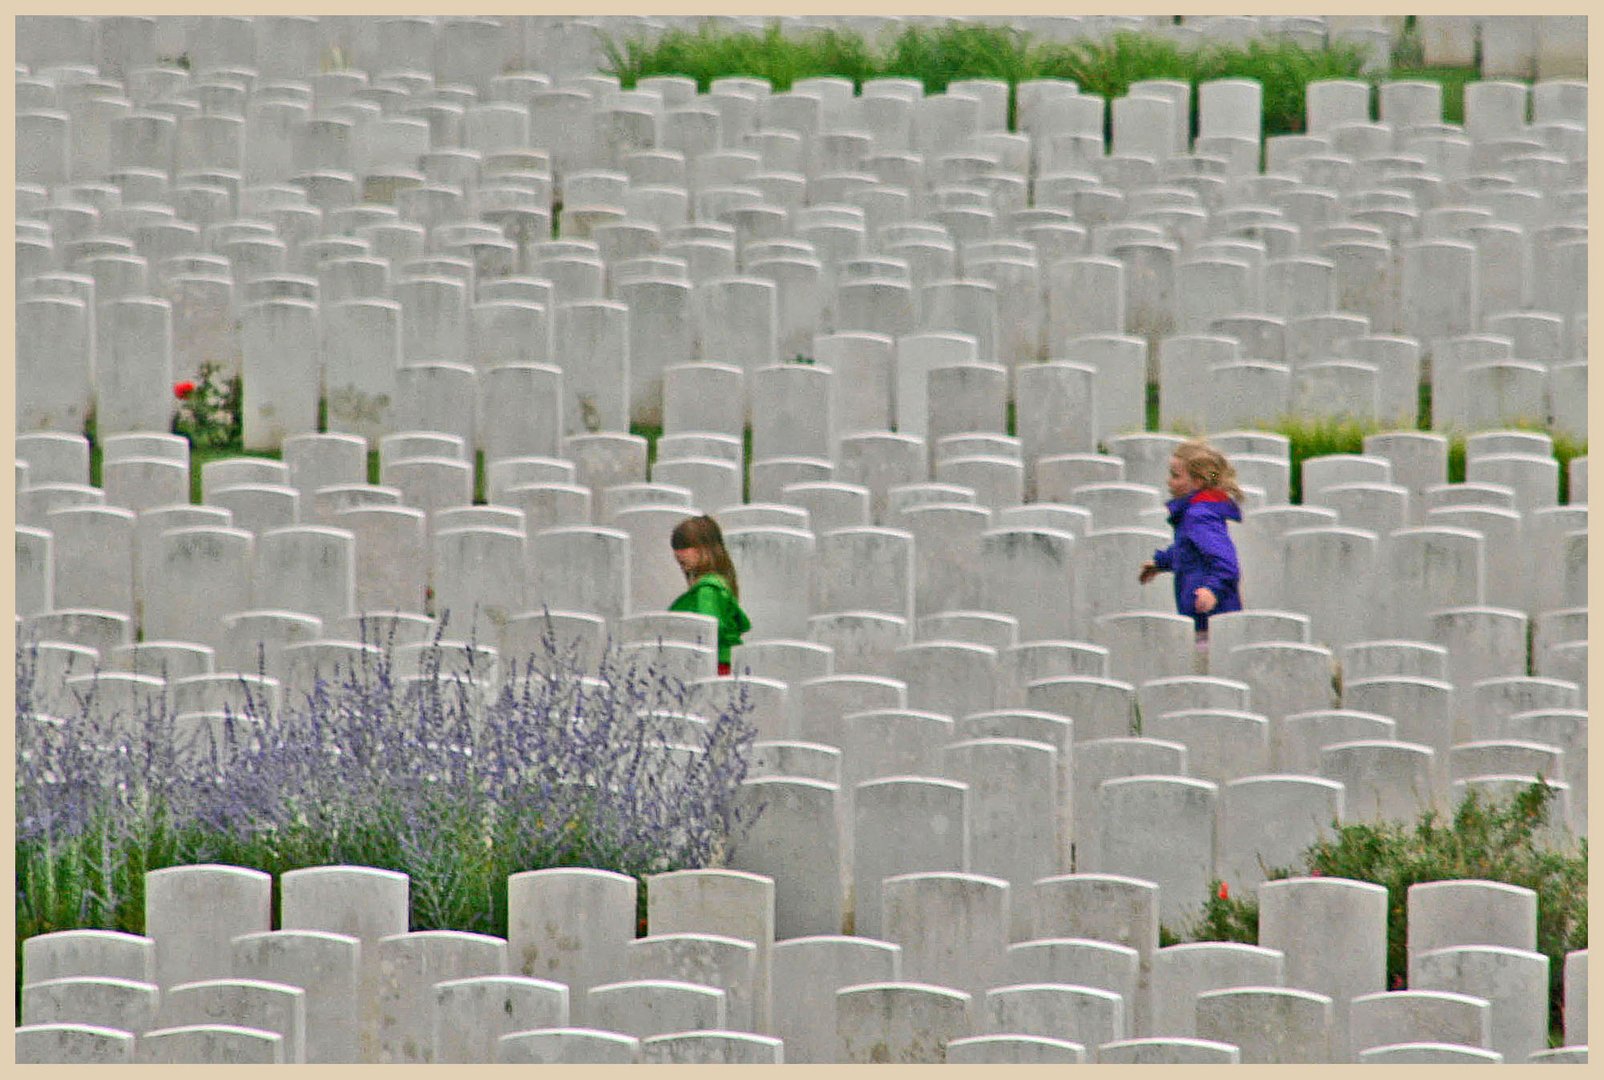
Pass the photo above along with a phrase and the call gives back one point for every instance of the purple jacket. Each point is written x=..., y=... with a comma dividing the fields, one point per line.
x=1203, y=554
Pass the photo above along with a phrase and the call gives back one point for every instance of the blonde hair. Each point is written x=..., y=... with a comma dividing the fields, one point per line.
x=704, y=534
x=1208, y=467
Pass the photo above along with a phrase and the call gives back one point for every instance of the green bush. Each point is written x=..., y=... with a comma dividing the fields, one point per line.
x=1485, y=840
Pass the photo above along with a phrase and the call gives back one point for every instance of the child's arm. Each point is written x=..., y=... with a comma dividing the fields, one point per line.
x=1161, y=562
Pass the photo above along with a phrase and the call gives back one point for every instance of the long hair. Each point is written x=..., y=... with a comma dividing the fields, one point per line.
x=1210, y=468
x=704, y=534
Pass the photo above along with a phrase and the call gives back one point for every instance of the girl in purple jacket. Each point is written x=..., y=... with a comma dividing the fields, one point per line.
x=1203, y=496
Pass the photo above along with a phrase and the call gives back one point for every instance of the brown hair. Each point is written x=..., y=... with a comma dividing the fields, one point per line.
x=1210, y=468
x=704, y=534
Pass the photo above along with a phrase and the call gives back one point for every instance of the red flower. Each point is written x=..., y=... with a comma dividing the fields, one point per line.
x=183, y=389
x=1225, y=891
x=1397, y=982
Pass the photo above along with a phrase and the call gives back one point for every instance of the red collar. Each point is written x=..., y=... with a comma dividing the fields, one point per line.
x=1209, y=495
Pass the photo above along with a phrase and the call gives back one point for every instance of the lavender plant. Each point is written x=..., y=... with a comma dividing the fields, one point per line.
x=448, y=777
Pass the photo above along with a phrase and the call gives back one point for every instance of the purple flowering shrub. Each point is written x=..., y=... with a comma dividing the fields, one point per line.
x=458, y=780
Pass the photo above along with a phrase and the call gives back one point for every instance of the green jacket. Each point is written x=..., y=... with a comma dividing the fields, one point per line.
x=711, y=595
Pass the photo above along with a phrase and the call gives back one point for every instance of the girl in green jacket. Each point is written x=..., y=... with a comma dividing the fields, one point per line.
x=699, y=549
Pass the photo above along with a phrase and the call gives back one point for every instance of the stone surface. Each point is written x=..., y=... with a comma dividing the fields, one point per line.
x=899, y=1023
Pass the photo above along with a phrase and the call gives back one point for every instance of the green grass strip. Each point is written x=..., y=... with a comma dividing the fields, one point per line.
x=940, y=55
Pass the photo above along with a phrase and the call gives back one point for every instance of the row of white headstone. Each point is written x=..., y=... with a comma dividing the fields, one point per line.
x=392, y=123
x=1268, y=707
x=1138, y=241
x=459, y=47
x=344, y=980
x=655, y=322
x=930, y=381
x=877, y=534
x=1498, y=45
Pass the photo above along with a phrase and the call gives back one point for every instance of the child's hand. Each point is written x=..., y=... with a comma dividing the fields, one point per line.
x=1149, y=572
x=1204, y=600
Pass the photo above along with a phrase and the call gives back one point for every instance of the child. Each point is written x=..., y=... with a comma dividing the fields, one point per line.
x=1203, y=496
x=699, y=549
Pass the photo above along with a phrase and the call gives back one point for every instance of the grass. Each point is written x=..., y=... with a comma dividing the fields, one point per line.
x=707, y=54
x=1567, y=449
x=200, y=456
x=939, y=55
x=1409, y=62
x=746, y=463
x=1456, y=461
x=1282, y=69
x=1315, y=437
x=1453, y=80
x=651, y=433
